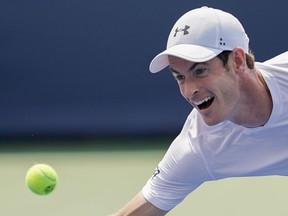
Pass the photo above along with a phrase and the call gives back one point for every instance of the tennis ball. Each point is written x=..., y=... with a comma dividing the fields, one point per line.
x=41, y=179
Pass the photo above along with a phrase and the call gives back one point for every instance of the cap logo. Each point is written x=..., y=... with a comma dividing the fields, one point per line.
x=184, y=30
x=222, y=42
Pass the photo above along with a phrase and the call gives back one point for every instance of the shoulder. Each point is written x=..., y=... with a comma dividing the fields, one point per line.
x=275, y=73
x=281, y=59
x=277, y=64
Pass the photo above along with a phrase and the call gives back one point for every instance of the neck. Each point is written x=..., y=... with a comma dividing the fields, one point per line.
x=257, y=103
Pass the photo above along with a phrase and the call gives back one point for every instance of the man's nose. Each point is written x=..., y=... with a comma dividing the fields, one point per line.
x=190, y=88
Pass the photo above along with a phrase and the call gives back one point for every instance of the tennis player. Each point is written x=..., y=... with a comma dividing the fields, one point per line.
x=239, y=124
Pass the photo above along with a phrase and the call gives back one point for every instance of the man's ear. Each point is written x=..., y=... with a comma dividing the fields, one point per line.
x=239, y=58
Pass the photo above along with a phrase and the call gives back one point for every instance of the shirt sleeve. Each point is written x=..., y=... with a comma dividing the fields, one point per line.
x=179, y=173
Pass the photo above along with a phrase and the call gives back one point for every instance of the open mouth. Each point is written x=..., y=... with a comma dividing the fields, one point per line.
x=205, y=103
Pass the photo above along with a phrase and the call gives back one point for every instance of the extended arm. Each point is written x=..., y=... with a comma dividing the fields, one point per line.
x=140, y=206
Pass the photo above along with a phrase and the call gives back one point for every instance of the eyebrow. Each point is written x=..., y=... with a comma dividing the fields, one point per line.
x=190, y=69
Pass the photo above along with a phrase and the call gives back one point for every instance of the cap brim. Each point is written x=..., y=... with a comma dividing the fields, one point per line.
x=189, y=52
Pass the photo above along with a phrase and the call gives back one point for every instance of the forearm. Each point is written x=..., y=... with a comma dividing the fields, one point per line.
x=140, y=206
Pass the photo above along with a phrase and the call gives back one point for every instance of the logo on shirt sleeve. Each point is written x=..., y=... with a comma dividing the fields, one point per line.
x=156, y=172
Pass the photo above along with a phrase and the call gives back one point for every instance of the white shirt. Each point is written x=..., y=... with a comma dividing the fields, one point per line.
x=203, y=153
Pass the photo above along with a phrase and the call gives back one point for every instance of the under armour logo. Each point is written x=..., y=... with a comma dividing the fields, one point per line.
x=185, y=30
x=156, y=172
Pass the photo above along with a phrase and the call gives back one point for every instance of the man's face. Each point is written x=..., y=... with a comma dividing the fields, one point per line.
x=209, y=87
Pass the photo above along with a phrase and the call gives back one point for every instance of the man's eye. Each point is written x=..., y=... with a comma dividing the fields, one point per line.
x=200, y=72
x=179, y=78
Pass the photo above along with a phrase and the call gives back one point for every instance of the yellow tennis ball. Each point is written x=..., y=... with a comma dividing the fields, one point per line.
x=41, y=179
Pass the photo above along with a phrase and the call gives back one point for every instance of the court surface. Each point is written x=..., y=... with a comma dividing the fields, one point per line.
x=97, y=182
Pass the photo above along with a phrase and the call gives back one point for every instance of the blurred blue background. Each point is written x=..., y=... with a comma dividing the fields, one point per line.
x=72, y=68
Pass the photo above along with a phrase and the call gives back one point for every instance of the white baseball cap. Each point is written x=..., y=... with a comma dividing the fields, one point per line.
x=200, y=35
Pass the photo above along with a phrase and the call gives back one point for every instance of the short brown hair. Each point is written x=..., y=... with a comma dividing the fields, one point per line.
x=250, y=60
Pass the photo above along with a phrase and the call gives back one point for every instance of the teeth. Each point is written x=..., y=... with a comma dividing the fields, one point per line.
x=202, y=101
